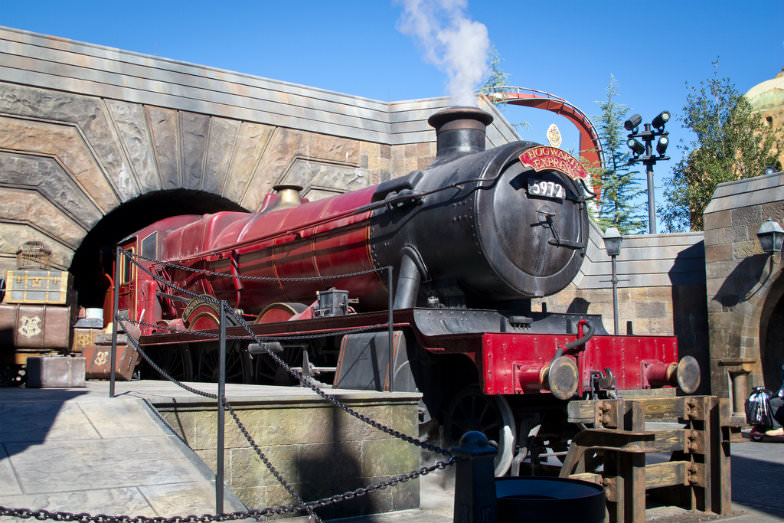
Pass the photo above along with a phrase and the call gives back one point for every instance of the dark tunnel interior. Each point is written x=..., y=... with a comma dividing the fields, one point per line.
x=94, y=257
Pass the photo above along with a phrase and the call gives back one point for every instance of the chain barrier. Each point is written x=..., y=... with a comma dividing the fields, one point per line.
x=301, y=505
x=243, y=429
x=303, y=380
x=267, y=337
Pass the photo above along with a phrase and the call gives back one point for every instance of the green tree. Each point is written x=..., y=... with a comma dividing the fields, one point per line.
x=732, y=143
x=497, y=79
x=617, y=203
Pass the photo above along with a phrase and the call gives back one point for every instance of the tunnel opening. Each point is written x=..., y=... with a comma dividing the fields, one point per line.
x=93, y=260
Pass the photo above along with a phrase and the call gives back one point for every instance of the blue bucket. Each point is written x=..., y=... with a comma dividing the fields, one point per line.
x=545, y=500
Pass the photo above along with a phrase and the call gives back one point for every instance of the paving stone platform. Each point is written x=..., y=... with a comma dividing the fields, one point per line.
x=76, y=450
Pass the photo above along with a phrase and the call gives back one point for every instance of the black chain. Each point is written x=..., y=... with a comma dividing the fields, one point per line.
x=301, y=505
x=440, y=465
x=267, y=337
x=258, y=514
x=304, y=380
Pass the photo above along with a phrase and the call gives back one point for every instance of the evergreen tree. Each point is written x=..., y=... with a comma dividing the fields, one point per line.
x=731, y=143
x=617, y=204
x=497, y=79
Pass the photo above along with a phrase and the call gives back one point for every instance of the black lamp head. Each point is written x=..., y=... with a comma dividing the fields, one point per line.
x=661, y=119
x=636, y=147
x=633, y=122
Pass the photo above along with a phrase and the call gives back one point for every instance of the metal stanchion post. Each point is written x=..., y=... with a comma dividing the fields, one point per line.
x=221, y=392
x=475, y=499
x=391, y=320
x=118, y=261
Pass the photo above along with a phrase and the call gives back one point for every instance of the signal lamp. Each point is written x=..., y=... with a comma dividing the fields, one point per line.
x=612, y=241
x=633, y=122
x=661, y=119
x=661, y=145
x=636, y=147
x=770, y=236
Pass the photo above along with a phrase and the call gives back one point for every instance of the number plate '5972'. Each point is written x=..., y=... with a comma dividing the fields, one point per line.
x=545, y=189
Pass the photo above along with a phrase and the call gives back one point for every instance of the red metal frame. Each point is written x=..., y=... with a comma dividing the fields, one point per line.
x=590, y=145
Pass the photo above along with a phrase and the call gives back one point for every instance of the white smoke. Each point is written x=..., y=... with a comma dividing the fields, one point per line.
x=451, y=41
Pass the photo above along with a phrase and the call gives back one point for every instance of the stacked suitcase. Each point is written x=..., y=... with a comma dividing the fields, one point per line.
x=39, y=328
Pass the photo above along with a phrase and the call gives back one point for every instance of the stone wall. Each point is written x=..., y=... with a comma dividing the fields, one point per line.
x=318, y=449
x=85, y=129
x=744, y=286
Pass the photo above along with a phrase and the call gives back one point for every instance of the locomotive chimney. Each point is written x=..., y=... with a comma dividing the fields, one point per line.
x=459, y=130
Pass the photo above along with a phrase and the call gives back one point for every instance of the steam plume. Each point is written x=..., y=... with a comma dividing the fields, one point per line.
x=451, y=41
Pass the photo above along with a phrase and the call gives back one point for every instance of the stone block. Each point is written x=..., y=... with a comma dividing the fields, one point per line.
x=252, y=139
x=717, y=220
x=131, y=123
x=745, y=249
x=388, y=457
x=220, y=151
x=747, y=216
x=245, y=469
x=406, y=495
x=718, y=253
x=194, y=131
x=165, y=140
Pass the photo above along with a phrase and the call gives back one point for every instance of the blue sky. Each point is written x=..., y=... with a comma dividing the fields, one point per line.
x=569, y=48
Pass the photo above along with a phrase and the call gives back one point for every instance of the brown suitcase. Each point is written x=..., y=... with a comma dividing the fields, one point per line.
x=98, y=361
x=35, y=326
x=55, y=372
x=83, y=337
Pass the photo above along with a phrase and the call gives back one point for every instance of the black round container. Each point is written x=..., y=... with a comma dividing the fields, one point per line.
x=546, y=500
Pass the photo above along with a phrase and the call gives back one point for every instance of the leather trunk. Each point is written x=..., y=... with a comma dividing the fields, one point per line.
x=35, y=326
x=98, y=361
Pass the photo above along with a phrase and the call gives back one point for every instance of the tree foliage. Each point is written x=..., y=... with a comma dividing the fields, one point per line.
x=619, y=192
x=732, y=143
x=497, y=78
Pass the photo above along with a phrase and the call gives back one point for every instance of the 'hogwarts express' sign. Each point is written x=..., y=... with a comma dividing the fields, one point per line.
x=543, y=158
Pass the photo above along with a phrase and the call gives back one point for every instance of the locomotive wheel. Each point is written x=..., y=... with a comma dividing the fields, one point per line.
x=267, y=371
x=175, y=360
x=491, y=415
x=238, y=367
x=280, y=311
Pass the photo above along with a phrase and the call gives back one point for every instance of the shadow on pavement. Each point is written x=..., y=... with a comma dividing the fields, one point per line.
x=757, y=484
x=30, y=416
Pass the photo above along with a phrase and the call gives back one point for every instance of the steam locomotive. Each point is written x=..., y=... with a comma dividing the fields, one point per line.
x=470, y=240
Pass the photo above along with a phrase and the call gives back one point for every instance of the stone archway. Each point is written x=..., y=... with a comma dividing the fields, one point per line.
x=772, y=335
x=93, y=258
x=79, y=172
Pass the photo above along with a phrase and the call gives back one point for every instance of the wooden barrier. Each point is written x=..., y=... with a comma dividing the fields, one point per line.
x=697, y=476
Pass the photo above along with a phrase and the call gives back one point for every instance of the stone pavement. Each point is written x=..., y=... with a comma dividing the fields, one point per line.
x=77, y=450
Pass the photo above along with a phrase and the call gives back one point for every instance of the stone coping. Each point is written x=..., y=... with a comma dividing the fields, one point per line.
x=164, y=393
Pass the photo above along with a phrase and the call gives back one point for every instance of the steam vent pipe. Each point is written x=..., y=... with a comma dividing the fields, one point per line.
x=459, y=130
